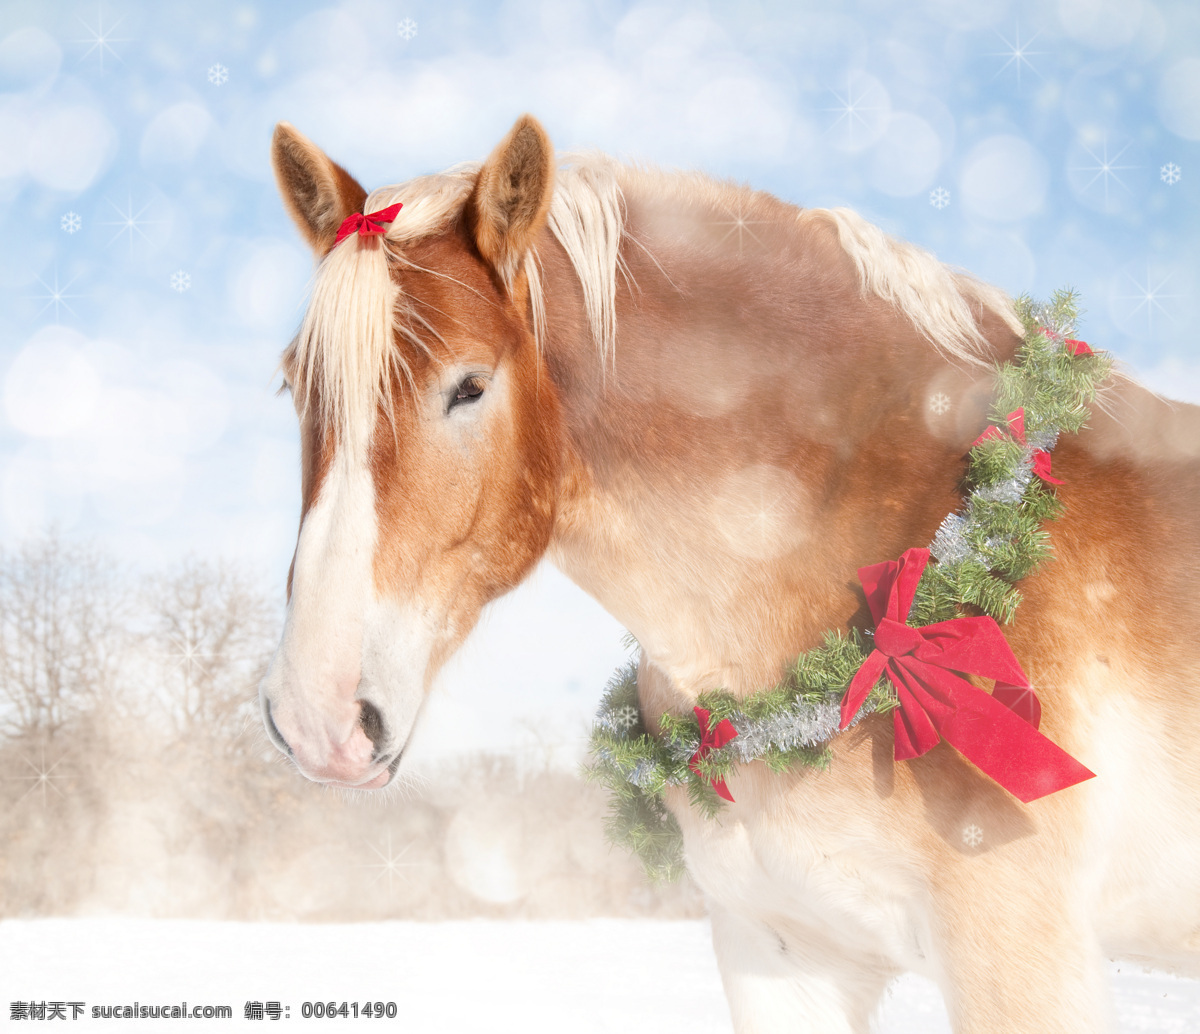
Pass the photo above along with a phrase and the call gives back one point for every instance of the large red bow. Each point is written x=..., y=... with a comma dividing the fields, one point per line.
x=937, y=703
x=367, y=224
x=1016, y=427
x=712, y=739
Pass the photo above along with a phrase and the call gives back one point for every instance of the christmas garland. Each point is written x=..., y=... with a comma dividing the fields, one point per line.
x=994, y=540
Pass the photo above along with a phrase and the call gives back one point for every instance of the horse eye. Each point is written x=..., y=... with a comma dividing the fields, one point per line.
x=468, y=391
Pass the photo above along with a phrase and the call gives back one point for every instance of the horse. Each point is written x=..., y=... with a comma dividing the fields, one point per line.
x=710, y=408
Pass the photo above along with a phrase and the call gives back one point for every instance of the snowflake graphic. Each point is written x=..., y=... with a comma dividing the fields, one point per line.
x=1170, y=173
x=391, y=864
x=186, y=654
x=218, y=75
x=939, y=403
x=972, y=836
x=101, y=40
x=1150, y=297
x=57, y=296
x=1018, y=54
x=740, y=225
x=939, y=197
x=71, y=222
x=852, y=105
x=406, y=29
x=180, y=281
x=626, y=717
x=130, y=222
x=762, y=516
x=1106, y=168
x=43, y=779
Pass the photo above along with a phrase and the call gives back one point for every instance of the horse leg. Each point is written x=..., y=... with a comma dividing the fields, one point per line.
x=1028, y=969
x=777, y=985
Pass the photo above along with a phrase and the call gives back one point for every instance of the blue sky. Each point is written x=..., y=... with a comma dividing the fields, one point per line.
x=149, y=277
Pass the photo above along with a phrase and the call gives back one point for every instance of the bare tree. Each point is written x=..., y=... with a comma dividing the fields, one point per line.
x=61, y=633
x=134, y=774
x=211, y=631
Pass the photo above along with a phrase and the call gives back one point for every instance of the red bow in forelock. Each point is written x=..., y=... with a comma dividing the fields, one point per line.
x=937, y=703
x=367, y=224
x=712, y=739
x=1016, y=427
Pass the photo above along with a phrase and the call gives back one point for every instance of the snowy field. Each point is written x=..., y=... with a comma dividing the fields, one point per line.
x=595, y=976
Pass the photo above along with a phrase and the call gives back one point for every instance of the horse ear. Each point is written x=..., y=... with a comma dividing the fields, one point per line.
x=508, y=207
x=317, y=193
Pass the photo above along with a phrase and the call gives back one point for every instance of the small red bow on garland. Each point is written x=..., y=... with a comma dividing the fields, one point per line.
x=712, y=739
x=1016, y=427
x=997, y=733
x=366, y=224
x=1072, y=345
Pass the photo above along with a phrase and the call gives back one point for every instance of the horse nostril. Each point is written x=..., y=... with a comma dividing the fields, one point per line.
x=273, y=731
x=372, y=724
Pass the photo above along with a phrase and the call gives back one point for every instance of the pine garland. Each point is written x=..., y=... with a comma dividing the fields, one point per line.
x=995, y=539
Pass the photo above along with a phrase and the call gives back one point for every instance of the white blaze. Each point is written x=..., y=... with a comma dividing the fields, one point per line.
x=341, y=643
x=316, y=670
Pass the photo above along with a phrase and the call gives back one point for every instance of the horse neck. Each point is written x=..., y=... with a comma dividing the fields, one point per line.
x=762, y=431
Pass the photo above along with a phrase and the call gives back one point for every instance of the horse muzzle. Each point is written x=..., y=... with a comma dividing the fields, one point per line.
x=346, y=753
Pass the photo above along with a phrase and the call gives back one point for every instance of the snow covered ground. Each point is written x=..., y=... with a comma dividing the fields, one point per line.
x=604, y=975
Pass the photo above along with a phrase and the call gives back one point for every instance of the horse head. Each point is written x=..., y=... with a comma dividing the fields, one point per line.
x=430, y=442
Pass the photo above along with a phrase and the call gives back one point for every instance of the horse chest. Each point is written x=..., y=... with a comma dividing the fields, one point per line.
x=810, y=881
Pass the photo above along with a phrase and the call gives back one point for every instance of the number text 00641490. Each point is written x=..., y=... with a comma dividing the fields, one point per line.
x=348, y=1010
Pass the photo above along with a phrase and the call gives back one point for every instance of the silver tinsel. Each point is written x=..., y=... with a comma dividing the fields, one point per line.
x=682, y=750
x=950, y=545
x=801, y=725
x=643, y=772
x=1009, y=491
x=607, y=721
x=1043, y=440
x=1043, y=315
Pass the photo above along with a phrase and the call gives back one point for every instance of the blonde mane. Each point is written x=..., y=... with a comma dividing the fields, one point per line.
x=354, y=298
x=945, y=305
